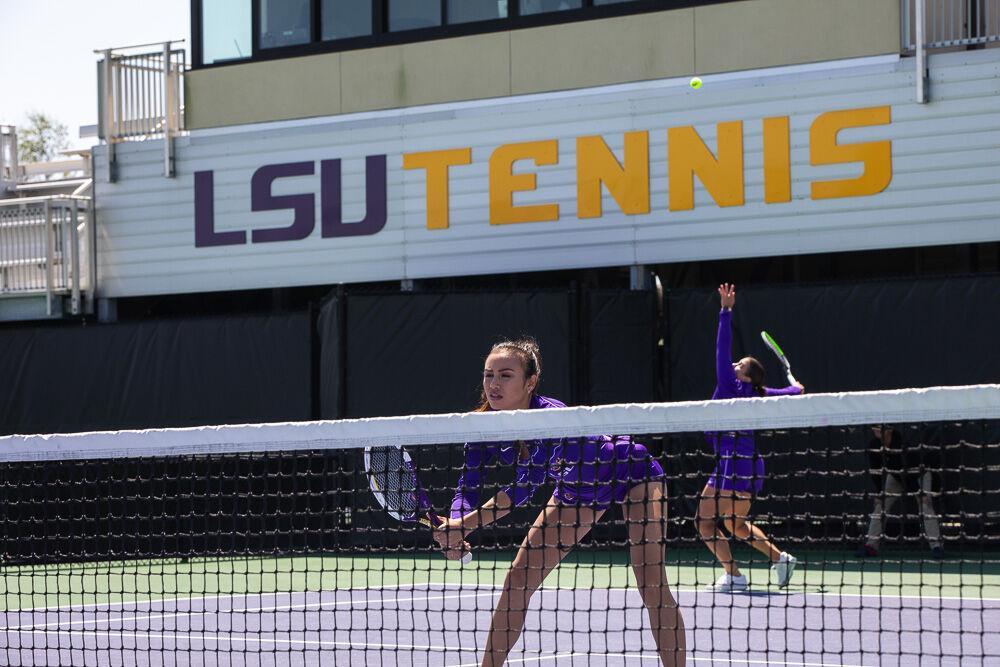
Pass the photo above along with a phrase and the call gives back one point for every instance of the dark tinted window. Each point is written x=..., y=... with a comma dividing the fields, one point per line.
x=284, y=23
x=542, y=6
x=346, y=18
x=466, y=11
x=412, y=14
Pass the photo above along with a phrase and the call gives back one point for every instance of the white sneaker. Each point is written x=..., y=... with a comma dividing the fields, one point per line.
x=727, y=583
x=783, y=568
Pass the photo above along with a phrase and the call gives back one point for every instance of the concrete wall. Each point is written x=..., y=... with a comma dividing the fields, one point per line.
x=714, y=38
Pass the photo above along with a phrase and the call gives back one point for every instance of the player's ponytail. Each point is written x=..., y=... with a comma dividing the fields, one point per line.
x=755, y=370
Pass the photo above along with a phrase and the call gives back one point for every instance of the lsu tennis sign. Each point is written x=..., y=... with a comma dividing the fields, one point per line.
x=626, y=176
x=818, y=158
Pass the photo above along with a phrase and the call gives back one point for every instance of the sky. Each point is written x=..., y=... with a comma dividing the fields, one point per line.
x=47, y=59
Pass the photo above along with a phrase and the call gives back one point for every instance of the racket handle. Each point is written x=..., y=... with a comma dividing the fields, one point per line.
x=435, y=521
x=791, y=378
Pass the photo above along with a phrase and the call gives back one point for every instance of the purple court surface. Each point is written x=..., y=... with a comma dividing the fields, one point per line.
x=434, y=624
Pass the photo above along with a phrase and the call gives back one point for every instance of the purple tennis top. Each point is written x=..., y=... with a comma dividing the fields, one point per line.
x=727, y=384
x=593, y=470
x=738, y=467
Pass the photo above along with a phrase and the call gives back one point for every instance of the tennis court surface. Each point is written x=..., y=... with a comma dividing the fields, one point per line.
x=262, y=545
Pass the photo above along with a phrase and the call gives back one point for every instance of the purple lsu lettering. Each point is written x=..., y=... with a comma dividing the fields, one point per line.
x=304, y=205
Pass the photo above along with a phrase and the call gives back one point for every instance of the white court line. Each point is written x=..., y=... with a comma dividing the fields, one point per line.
x=180, y=614
x=205, y=637
x=192, y=598
x=690, y=657
x=777, y=593
x=444, y=585
x=223, y=639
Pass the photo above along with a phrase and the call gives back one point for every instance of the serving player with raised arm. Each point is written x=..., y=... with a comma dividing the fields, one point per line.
x=739, y=471
x=590, y=474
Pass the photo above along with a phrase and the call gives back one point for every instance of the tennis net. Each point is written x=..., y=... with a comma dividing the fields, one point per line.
x=265, y=544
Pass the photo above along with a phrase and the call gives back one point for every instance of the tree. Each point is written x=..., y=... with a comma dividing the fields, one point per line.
x=42, y=139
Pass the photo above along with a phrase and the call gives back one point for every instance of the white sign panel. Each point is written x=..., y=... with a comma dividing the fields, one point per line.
x=818, y=158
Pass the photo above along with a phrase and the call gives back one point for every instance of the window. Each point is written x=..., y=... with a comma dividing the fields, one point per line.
x=226, y=30
x=466, y=11
x=542, y=6
x=284, y=23
x=345, y=18
x=412, y=14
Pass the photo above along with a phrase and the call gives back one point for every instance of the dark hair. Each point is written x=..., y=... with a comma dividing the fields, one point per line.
x=755, y=370
x=527, y=350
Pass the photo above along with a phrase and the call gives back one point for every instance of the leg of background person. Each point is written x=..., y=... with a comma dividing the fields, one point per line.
x=932, y=524
x=890, y=493
x=714, y=504
x=740, y=527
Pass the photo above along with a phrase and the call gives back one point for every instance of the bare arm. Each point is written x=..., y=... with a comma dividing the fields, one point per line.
x=451, y=534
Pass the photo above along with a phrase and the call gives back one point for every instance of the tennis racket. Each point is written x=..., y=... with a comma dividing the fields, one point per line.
x=393, y=480
x=771, y=343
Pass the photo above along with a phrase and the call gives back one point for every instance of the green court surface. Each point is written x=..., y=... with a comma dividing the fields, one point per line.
x=968, y=575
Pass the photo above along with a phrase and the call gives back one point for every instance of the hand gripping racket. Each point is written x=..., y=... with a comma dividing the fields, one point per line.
x=771, y=343
x=393, y=480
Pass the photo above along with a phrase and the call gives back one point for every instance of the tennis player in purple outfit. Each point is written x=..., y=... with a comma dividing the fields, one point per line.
x=590, y=474
x=739, y=473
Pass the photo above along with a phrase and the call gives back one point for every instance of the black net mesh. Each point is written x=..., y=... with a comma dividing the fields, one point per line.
x=842, y=547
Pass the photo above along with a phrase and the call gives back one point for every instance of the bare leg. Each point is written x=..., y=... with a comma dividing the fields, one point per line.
x=710, y=508
x=646, y=515
x=553, y=534
x=738, y=525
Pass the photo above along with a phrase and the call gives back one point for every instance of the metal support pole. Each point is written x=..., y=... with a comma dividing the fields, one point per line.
x=49, y=244
x=638, y=277
x=74, y=239
x=110, y=131
x=91, y=241
x=919, y=19
x=169, y=117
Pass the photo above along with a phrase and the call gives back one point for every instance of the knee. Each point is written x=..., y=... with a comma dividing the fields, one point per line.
x=738, y=527
x=706, y=527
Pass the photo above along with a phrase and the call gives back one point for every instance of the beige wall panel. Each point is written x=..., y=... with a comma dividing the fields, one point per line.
x=594, y=53
x=264, y=91
x=767, y=33
x=447, y=70
x=714, y=38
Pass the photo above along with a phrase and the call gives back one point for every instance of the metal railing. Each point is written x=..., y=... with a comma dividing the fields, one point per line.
x=141, y=97
x=45, y=248
x=8, y=158
x=950, y=23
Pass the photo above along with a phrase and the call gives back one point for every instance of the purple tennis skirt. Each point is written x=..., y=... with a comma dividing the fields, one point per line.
x=739, y=468
x=623, y=465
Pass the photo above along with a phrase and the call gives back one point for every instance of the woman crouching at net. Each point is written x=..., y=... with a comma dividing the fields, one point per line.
x=739, y=471
x=590, y=474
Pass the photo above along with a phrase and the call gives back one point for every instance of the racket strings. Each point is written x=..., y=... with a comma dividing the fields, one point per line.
x=394, y=478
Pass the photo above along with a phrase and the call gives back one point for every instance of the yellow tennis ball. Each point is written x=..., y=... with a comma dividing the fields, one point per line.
x=696, y=82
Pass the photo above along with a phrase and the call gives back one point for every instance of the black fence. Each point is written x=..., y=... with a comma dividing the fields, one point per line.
x=366, y=354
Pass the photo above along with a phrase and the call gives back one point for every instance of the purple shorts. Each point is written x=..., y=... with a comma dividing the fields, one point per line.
x=739, y=468
x=622, y=465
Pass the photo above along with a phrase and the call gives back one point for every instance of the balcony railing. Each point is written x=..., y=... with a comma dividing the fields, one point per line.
x=45, y=248
x=950, y=23
x=141, y=97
